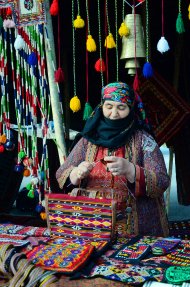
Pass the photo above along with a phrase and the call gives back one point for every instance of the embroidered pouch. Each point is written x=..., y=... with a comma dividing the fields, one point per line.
x=80, y=217
x=131, y=253
x=67, y=257
x=164, y=245
x=177, y=274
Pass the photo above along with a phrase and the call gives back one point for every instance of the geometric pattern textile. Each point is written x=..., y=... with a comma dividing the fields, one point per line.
x=67, y=257
x=80, y=216
x=9, y=228
x=165, y=108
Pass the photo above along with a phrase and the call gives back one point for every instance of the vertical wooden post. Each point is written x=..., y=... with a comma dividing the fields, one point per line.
x=54, y=96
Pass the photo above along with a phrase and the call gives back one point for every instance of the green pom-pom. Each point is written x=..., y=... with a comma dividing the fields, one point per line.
x=1, y=22
x=28, y=186
x=21, y=154
x=31, y=193
x=87, y=111
x=179, y=24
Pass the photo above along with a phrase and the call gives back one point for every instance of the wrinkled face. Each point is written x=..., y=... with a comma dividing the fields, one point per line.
x=115, y=110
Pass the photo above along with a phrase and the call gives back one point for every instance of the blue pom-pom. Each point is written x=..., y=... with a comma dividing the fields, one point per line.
x=32, y=59
x=147, y=70
x=19, y=168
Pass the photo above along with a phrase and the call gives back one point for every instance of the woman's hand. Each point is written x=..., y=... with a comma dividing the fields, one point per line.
x=80, y=172
x=121, y=166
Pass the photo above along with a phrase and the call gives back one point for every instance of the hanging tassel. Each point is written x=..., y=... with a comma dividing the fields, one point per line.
x=79, y=22
x=136, y=83
x=189, y=11
x=109, y=42
x=32, y=59
x=100, y=65
x=90, y=44
x=179, y=24
x=87, y=111
x=19, y=43
x=75, y=104
x=54, y=9
x=123, y=30
x=59, y=75
x=162, y=45
x=147, y=70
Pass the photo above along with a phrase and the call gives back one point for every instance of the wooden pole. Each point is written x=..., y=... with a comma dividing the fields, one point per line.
x=54, y=96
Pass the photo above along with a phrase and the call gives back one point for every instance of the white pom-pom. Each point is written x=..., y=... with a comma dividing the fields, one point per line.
x=19, y=43
x=162, y=45
x=7, y=23
x=34, y=181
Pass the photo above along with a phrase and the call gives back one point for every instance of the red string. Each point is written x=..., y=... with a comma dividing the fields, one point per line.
x=162, y=17
x=106, y=30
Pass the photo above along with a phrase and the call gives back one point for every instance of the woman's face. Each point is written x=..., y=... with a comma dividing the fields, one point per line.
x=115, y=110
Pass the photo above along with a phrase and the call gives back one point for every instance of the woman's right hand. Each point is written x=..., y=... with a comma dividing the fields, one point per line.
x=80, y=172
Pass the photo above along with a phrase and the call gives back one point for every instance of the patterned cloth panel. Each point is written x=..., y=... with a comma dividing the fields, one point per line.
x=23, y=230
x=80, y=216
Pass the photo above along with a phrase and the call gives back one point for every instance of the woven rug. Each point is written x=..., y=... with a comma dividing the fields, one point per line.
x=165, y=108
x=180, y=229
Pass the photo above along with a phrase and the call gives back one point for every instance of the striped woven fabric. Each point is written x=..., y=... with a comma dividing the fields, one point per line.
x=80, y=216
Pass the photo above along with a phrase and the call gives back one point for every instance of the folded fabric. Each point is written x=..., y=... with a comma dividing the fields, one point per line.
x=131, y=253
x=164, y=245
x=177, y=274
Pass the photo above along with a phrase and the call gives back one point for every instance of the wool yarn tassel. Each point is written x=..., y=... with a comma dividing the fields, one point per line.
x=179, y=22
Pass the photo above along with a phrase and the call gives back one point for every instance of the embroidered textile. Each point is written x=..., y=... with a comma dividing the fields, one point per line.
x=164, y=245
x=67, y=257
x=177, y=274
x=9, y=228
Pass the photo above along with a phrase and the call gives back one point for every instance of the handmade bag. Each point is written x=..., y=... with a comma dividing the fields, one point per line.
x=80, y=216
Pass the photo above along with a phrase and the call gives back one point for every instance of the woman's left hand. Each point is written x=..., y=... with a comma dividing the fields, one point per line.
x=120, y=166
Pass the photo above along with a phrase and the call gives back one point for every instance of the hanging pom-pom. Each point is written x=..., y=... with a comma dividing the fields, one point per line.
x=100, y=65
x=87, y=111
x=31, y=193
x=162, y=45
x=123, y=30
x=54, y=8
x=9, y=145
x=19, y=43
x=8, y=23
x=26, y=172
x=32, y=59
x=3, y=139
x=189, y=11
x=109, y=42
x=90, y=44
x=43, y=215
x=21, y=155
x=75, y=104
x=9, y=11
x=147, y=70
x=179, y=24
x=2, y=148
x=78, y=22
x=19, y=168
x=59, y=75
x=136, y=83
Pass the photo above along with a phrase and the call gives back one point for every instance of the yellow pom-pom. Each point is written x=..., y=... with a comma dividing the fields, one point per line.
x=75, y=105
x=189, y=11
x=43, y=215
x=90, y=44
x=109, y=42
x=78, y=22
x=123, y=30
x=3, y=139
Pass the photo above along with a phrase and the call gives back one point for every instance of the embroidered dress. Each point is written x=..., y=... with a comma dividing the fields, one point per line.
x=144, y=201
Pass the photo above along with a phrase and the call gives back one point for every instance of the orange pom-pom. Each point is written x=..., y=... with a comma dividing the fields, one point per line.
x=26, y=172
x=54, y=9
x=100, y=66
x=59, y=75
x=43, y=216
x=3, y=139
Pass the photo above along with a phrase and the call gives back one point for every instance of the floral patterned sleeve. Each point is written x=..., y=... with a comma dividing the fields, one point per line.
x=152, y=179
x=76, y=156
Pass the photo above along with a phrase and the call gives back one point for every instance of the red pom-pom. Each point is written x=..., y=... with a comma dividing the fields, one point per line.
x=2, y=148
x=59, y=75
x=54, y=9
x=100, y=66
x=9, y=11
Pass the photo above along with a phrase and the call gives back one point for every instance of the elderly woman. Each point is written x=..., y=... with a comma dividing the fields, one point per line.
x=117, y=154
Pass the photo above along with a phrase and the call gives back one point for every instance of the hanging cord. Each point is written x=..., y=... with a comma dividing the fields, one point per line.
x=147, y=32
x=106, y=30
x=87, y=15
x=100, y=43
x=123, y=10
x=107, y=17
x=162, y=18
x=116, y=39
x=87, y=70
x=74, y=60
